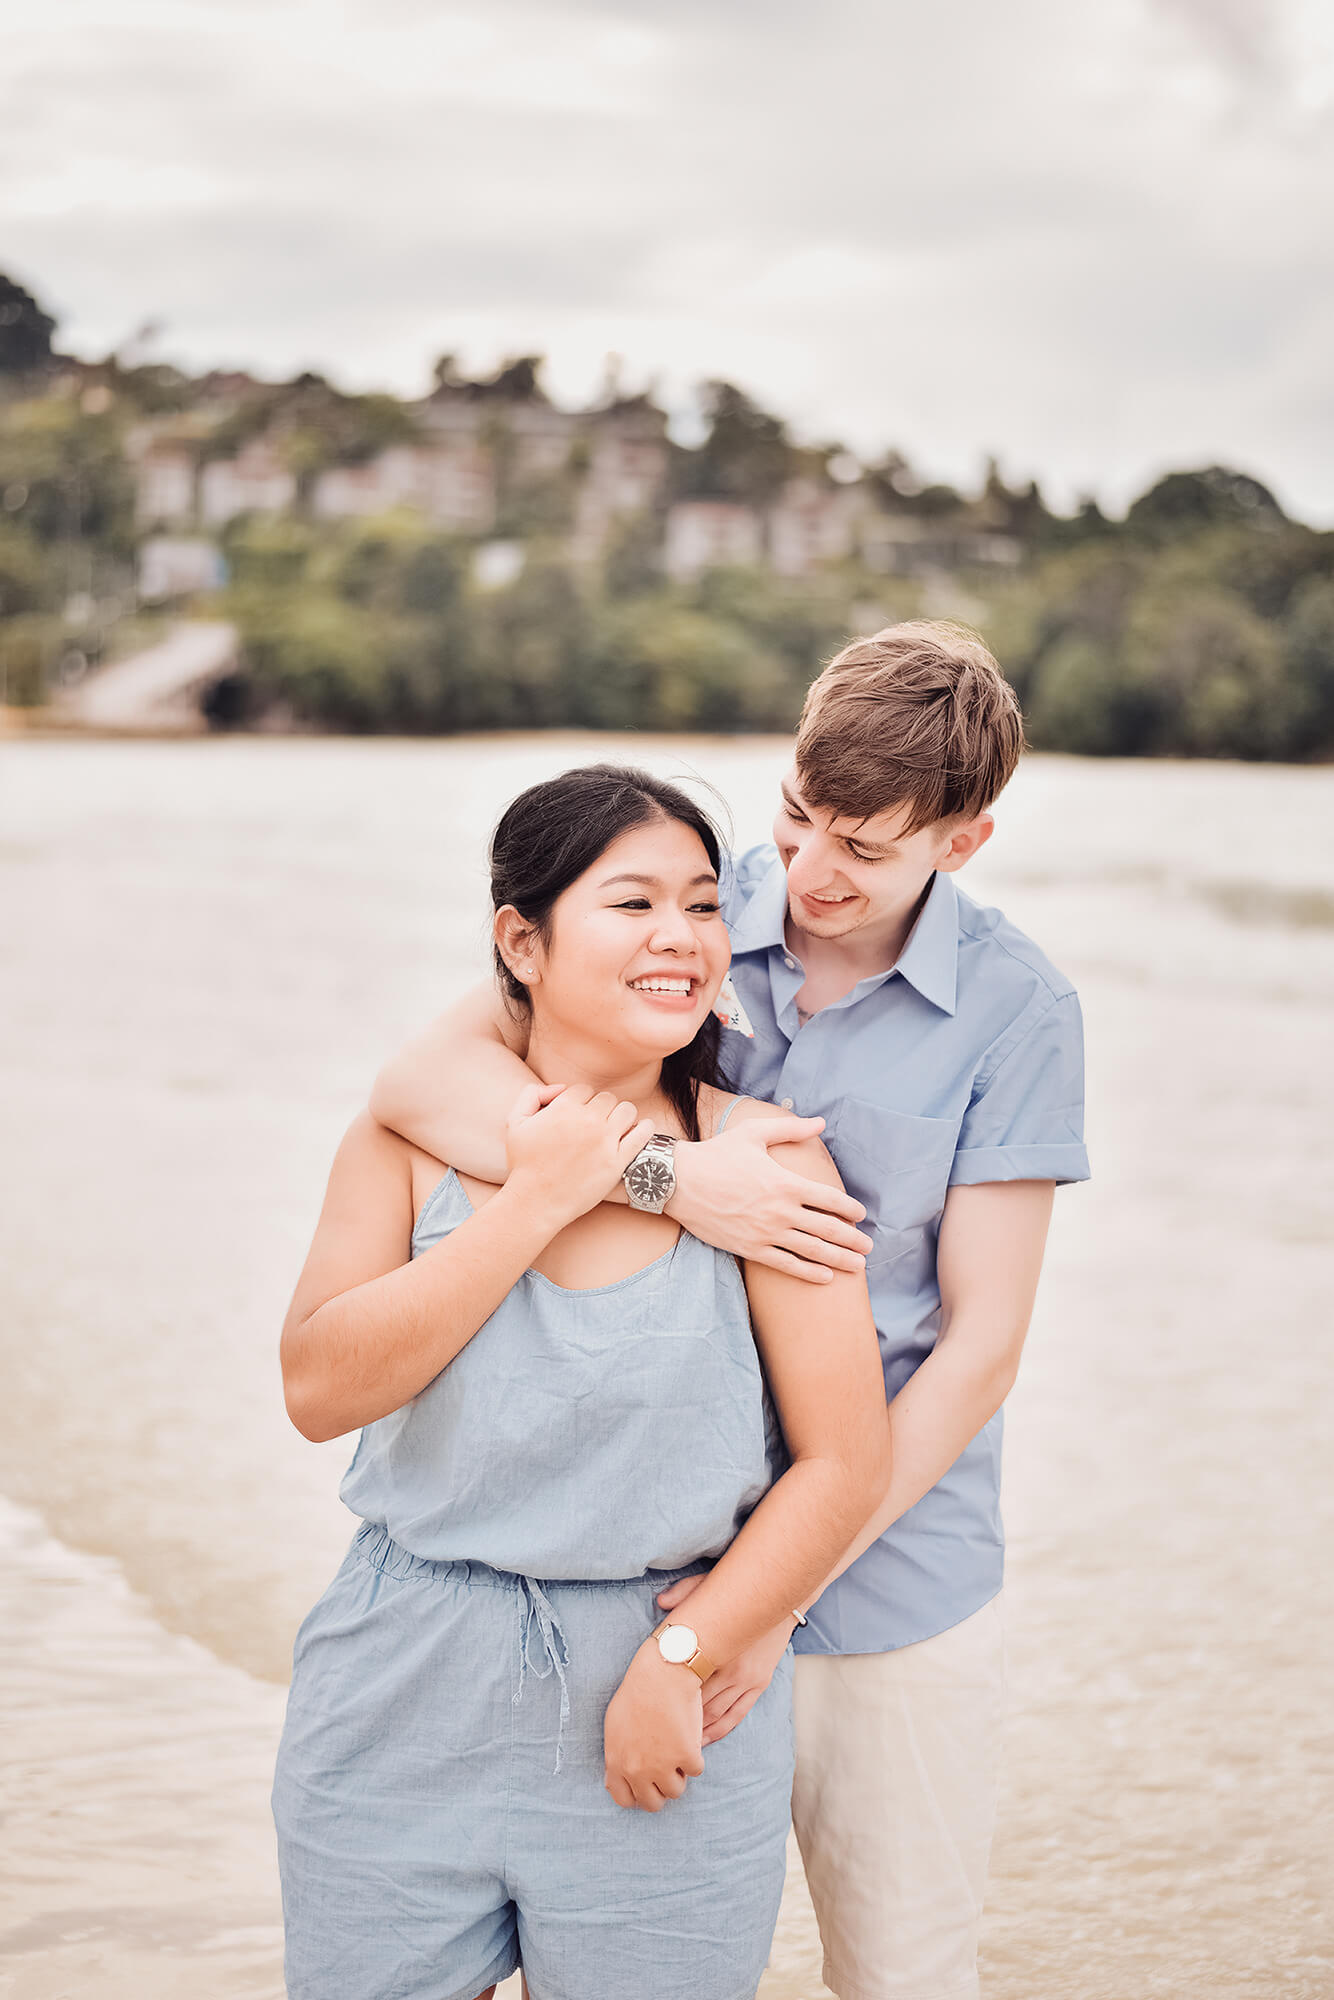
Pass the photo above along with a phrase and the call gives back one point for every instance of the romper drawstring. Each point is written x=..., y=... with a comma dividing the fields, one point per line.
x=555, y=1650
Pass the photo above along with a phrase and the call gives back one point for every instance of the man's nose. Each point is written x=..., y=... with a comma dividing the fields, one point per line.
x=814, y=856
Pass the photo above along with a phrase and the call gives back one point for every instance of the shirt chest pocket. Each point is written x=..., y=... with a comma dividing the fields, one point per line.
x=897, y=1165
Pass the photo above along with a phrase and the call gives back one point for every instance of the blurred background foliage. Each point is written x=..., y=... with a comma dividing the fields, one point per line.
x=1199, y=625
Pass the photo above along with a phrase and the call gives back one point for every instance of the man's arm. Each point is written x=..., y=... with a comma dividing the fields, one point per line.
x=451, y=1090
x=989, y=1260
x=990, y=1252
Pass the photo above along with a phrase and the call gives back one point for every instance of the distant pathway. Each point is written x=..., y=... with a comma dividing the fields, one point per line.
x=155, y=689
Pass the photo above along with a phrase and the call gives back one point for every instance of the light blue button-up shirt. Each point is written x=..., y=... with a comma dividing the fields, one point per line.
x=962, y=1064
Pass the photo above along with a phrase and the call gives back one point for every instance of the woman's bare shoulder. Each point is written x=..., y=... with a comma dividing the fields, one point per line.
x=802, y=1156
x=369, y=1148
x=718, y=1107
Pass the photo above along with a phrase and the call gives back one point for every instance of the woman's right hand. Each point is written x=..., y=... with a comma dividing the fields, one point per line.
x=568, y=1145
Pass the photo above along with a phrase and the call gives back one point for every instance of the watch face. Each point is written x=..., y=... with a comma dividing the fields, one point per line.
x=650, y=1180
x=678, y=1644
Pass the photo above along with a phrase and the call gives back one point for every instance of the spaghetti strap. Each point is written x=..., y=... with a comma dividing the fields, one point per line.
x=727, y=1114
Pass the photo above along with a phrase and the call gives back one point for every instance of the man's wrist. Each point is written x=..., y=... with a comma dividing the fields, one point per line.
x=683, y=1160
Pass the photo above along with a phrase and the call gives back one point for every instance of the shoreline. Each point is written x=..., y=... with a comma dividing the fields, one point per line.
x=165, y=1859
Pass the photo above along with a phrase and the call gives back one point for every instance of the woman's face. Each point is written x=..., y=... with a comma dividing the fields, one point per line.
x=638, y=948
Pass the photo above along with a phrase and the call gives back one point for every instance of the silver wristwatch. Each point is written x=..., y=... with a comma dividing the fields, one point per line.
x=650, y=1178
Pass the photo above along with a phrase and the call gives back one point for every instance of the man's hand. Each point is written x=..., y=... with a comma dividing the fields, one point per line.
x=731, y=1693
x=731, y=1194
x=652, y=1732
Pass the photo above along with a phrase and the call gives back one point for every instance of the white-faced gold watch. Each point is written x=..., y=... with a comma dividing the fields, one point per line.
x=680, y=1648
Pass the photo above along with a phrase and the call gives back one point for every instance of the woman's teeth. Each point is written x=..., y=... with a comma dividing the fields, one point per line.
x=662, y=985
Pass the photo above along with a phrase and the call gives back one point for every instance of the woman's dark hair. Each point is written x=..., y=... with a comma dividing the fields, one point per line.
x=550, y=835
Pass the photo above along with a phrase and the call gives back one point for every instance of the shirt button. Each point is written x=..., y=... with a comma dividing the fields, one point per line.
x=786, y=1104
x=791, y=964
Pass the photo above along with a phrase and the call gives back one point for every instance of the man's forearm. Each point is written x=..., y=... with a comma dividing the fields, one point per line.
x=451, y=1090
x=938, y=1411
x=989, y=1259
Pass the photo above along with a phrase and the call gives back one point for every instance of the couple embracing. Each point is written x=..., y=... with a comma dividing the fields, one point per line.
x=666, y=1464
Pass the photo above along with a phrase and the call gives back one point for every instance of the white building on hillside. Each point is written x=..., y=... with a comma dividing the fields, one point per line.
x=255, y=481
x=178, y=566
x=540, y=436
x=810, y=524
x=391, y=479
x=625, y=473
x=165, y=483
x=710, y=534
x=907, y=545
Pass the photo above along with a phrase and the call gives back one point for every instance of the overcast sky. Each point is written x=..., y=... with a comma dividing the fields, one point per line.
x=1096, y=240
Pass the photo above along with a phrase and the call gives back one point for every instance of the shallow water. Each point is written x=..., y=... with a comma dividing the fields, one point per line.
x=206, y=947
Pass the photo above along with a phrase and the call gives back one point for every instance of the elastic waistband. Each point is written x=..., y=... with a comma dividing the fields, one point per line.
x=373, y=1544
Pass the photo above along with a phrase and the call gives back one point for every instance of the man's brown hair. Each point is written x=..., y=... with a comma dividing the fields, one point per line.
x=919, y=715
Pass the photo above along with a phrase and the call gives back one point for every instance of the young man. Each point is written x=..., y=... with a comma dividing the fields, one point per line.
x=943, y=1054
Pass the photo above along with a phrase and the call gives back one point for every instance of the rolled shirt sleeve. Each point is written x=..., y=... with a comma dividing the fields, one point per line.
x=1025, y=1119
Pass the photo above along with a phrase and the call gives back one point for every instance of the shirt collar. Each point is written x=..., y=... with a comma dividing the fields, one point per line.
x=929, y=960
x=760, y=924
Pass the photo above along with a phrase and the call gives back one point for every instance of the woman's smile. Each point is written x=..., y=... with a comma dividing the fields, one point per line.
x=669, y=992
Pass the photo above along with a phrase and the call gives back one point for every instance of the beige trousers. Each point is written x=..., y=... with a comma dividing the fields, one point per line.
x=898, y=1764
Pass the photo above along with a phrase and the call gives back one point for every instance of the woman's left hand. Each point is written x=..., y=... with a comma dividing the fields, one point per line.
x=653, y=1731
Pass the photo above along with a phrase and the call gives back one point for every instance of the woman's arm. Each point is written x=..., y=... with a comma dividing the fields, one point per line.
x=822, y=1359
x=823, y=1362
x=366, y=1329
x=990, y=1257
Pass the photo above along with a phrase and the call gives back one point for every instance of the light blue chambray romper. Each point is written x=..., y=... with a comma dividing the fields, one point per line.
x=439, y=1795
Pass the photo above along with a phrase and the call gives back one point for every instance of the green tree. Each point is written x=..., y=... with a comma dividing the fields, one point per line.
x=25, y=580
x=1183, y=503
x=1083, y=700
x=661, y=666
x=517, y=379
x=69, y=468
x=745, y=454
x=395, y=562
x=25, y=330
x=529, y=647
x=1216, y=673
x=632, y=565
x=1308, y=654
x=268, y=551
x=335, y=664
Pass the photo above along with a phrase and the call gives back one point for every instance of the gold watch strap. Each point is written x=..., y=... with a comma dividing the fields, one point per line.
x=699, y=1663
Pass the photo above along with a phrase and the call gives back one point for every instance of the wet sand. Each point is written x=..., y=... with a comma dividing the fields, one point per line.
x=207, y=947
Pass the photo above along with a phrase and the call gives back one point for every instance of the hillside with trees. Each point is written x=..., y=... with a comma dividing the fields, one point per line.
x=483, y=559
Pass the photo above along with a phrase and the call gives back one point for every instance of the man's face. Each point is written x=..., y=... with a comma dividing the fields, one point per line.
x=863, y=875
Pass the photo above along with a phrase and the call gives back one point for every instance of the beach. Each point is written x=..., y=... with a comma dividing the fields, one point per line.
x=208, y=948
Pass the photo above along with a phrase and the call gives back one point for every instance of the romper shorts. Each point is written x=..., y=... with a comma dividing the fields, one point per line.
x=429, y=1844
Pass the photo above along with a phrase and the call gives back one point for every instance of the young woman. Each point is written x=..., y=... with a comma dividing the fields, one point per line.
x=562, y=1411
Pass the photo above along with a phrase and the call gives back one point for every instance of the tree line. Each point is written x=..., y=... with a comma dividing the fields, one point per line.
x=1199, y=624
